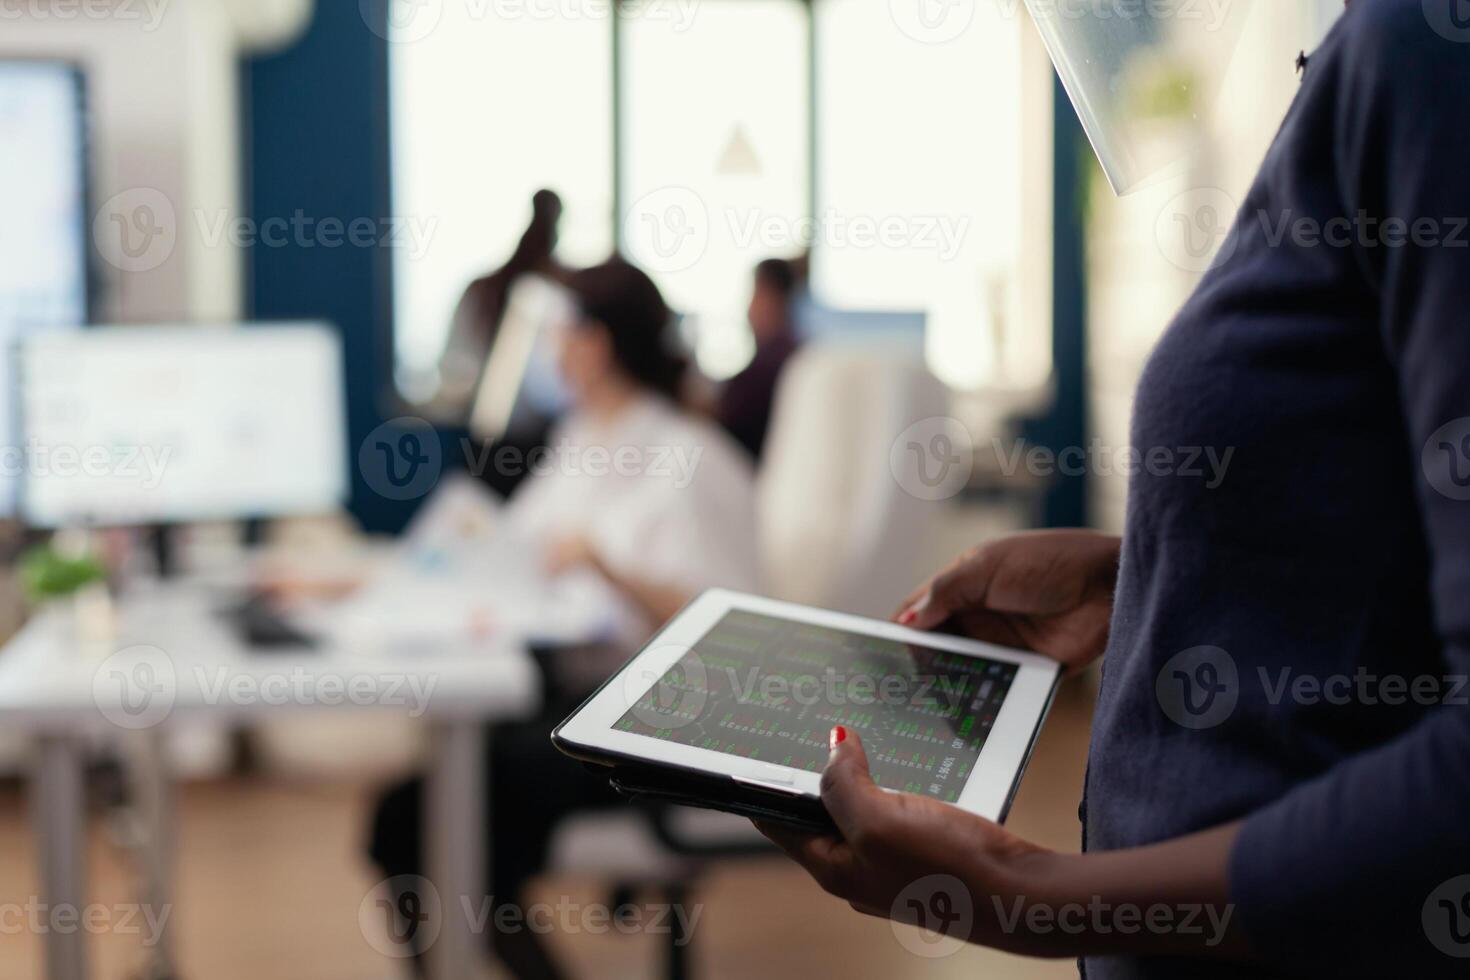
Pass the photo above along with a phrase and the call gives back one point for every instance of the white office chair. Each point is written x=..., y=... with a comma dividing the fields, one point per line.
x=838, y=529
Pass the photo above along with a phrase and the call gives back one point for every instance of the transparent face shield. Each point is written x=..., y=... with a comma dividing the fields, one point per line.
x=1139, y=72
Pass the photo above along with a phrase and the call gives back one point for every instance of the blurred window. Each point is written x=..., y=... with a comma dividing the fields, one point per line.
x=488, y=104
x=921, y=138
x=907, y=144
x=716, y=168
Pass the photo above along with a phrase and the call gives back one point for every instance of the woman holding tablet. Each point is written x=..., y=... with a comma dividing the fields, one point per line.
x=1279, y=775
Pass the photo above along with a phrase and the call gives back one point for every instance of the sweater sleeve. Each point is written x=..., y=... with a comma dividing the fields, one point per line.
x=1359, y=872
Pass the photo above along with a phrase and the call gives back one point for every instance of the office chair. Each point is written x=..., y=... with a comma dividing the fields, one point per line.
x=838, y=528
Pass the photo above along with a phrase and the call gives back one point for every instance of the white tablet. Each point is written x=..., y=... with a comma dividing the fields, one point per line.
x=730, y=706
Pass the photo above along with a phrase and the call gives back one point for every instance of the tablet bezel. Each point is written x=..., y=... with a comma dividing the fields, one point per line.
x=589, y=732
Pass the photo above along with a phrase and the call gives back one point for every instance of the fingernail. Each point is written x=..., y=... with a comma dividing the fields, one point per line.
x=839, y=735
x=908, y=616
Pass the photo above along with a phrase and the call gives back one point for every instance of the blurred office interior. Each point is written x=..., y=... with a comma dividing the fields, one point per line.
x=252, y=225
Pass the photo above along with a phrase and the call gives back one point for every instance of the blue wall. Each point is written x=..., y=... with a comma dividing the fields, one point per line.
x=316, y=125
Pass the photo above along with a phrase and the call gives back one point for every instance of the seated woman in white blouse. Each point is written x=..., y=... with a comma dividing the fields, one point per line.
x=654, y=499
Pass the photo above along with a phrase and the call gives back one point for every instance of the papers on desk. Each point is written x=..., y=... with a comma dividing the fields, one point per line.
x=459, y=577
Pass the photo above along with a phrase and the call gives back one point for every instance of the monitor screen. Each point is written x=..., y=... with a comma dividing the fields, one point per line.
x=43, y=239
x=134, y=425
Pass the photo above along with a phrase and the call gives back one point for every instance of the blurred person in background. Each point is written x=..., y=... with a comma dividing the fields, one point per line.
x=675, y=517
x=744, y=403
x=478, y=315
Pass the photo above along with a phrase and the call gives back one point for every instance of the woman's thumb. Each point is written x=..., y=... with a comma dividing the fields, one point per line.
x=848, y=790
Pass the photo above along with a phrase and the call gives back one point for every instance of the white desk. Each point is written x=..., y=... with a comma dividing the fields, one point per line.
x=174, y=658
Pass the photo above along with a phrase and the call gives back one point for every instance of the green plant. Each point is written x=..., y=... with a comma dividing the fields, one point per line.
x=46, y=574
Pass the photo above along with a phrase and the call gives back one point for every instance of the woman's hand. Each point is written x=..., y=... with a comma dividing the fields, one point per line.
x=914, y=859
x=909, y=858
x=1047, y=591
x=569, y=553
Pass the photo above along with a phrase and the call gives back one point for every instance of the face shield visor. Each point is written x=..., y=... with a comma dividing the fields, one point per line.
x=1140, y=73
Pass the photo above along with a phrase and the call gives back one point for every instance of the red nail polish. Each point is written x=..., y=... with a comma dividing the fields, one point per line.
x=839, y=734
x=908, y=617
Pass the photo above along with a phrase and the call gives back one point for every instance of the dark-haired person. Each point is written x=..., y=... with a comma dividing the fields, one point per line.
x=653, y=498
x=1281, y=748
x=477, y=316
x=745, y=401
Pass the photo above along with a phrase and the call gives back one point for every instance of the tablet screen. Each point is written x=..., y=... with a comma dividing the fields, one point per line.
x=771, y=689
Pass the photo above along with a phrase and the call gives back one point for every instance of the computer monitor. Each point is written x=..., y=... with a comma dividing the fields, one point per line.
x=171, y=424
x=44, y=255
x=520, y=387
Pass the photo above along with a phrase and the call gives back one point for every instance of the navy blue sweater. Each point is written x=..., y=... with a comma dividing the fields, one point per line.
x=1290, y=646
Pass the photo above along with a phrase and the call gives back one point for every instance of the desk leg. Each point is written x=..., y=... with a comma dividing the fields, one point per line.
x=59, y=808
x=455, y=820
x=153, y=792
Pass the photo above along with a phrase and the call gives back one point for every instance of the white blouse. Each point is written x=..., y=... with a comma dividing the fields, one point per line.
x=662, y=495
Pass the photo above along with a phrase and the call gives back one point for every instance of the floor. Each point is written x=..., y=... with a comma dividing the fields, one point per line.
x=270, y=883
